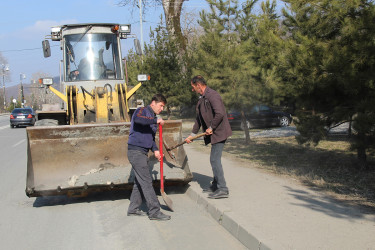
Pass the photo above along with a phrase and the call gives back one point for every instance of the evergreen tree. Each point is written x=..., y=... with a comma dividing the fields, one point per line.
x=266, y=48
x=219, y=53
x=161, y=62
x=233, y=51
x=328, y=65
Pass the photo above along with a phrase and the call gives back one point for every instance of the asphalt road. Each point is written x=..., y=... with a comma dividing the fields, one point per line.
x=94, y=222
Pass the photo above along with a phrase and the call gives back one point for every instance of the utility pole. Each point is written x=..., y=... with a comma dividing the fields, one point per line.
x=141, y=22
x=5, y=68
x=22, y=76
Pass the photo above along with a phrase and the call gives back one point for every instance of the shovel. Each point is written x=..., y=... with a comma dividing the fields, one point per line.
x=166, y=199
x=182, y=143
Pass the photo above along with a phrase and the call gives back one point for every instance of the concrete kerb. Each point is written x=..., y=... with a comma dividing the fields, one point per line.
x=224, y=218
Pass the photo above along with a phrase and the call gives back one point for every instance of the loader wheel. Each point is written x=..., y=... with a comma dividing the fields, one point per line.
x=47, y=122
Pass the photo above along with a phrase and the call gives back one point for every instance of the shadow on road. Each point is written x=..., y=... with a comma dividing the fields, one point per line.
x=204, y=181
x=94, y=197
x=102, y=196
x=324, y=204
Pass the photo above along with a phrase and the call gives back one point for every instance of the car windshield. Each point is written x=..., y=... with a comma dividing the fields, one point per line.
x=260, y=108
x=263, y=108
x=22, y=111
x=254, y=110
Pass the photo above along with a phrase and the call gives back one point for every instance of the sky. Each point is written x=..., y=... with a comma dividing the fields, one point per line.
x=25, y=23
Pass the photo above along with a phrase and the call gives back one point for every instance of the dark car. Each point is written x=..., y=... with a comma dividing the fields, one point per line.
x=259, y=116
x=22, y=117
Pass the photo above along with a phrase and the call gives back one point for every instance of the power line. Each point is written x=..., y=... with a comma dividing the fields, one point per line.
x=19, y=50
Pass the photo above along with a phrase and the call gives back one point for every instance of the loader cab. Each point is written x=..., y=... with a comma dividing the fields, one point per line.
x=91, y=52
x=92, y=57
x=93, y=87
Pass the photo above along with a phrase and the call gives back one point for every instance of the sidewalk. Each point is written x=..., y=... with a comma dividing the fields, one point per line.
x=265, y=211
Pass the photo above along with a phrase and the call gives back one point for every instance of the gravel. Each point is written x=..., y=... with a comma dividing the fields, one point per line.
x=275, y=132
x=292, y=131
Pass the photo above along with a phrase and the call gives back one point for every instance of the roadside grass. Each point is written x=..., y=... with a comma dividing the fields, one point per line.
x=330, y=167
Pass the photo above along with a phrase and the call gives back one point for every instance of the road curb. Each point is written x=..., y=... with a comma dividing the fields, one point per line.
x=224, y=218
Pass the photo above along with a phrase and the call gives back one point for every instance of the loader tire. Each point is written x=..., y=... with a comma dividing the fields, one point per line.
x=47, y=122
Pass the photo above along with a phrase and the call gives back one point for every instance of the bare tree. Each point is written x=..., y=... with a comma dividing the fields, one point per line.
x=172, y=12
x=189, y=26
x=5, y=76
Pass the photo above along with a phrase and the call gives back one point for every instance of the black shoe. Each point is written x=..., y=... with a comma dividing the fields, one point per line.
x=137, y=213
x=210, y=189
x=218, y=194
x=160, y=216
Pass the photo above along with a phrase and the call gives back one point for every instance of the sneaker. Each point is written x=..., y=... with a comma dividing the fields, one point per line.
x=219, y=194
x=137, y=212
x=210, y=189
x=160, y=216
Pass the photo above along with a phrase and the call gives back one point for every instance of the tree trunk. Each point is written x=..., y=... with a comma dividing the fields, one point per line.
x=361, y=151
x=169, y=112
x=245, y=128
x=172, y=11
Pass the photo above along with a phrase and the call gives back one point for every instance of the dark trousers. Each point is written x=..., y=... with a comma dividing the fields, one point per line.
x=217, y=168
x=142, y=184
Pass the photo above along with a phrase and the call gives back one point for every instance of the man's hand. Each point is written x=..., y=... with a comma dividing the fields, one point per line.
x=157, y=155
x=209, y=131
x=188, y=140
x=160, y=121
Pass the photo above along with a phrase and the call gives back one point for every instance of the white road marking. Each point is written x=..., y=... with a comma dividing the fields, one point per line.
x=3, y=127
x=18, y=143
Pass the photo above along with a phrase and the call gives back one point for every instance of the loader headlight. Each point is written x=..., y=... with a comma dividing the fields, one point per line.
x=55, y=29
x=56, y=33
x=143, y=78
x=46, y=81
x=124, y=30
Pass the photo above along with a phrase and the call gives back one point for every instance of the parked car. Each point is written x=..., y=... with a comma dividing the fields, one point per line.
x=259, y=116
x=22, y=117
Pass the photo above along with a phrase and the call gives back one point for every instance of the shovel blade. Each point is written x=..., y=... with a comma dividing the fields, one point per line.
x=167, y=200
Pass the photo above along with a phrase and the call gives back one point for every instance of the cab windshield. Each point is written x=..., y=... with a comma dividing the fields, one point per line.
x=91, y=57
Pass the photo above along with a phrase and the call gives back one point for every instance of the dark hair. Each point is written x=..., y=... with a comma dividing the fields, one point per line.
x=198, y=79
x=159, y=98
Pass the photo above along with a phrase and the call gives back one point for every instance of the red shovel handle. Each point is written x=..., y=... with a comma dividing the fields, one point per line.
x=161, y=159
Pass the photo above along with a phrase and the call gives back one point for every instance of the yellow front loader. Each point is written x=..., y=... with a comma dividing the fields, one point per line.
x=83, y=147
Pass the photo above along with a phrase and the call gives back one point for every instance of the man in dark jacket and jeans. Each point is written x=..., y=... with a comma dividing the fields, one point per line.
x=212, y=117
x=143, y=128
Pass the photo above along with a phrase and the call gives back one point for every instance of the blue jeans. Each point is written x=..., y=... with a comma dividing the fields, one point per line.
x=217, y=168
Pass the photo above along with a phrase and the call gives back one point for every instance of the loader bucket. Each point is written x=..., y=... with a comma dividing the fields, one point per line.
x=74, y=160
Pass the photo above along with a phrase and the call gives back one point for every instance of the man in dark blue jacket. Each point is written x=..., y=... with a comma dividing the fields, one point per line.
x=144, y=125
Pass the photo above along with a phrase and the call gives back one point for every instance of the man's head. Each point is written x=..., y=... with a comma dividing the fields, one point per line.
x=198, y=84
x=158, y=102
